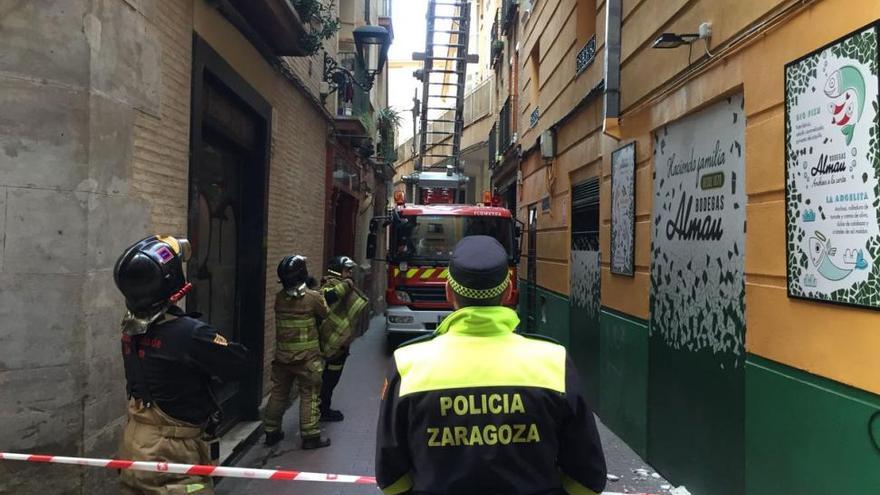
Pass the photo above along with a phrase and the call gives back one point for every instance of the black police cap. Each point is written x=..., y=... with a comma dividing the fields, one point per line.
x=478, y=268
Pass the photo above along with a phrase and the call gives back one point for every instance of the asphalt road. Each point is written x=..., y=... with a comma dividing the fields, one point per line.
x=352, y=450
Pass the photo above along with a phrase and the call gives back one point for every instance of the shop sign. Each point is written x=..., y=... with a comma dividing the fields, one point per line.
x=832, y=167
x=697, y=271
x=623, y=206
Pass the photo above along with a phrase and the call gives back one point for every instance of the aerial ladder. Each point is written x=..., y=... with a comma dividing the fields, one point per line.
x=438, y=164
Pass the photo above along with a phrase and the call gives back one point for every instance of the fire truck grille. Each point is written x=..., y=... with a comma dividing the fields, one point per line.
x=432, y=294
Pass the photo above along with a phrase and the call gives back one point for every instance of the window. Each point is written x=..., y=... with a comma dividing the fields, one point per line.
x=431, y=238
x=585, y=215
x=586, y=21
x=535, y=79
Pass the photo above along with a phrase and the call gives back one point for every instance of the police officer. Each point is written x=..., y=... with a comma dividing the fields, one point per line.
x=170, y=358
x=298, y=312
x=337, y=331
x=476, y=408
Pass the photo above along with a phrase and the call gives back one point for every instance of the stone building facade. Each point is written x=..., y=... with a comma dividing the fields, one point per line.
x=124, y=118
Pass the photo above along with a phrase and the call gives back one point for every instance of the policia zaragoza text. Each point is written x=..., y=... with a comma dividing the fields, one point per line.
x=490, y=434
x=478, y=409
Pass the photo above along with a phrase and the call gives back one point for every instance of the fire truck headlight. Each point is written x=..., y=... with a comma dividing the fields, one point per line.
x=400, y=319
x=402, y=296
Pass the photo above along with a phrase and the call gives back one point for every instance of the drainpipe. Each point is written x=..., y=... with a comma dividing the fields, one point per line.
x=611, y=125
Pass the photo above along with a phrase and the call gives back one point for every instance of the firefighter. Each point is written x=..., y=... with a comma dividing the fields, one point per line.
x=476, y=408
x=170, y=359
x=338, y=330
x=298, y=312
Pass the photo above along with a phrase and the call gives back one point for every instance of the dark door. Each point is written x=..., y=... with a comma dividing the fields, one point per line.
x=344, y=225
x=585, y=291
x=532, y=271
x=227, y=211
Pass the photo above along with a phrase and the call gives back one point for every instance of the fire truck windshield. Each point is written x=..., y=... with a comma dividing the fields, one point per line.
x=431, y=238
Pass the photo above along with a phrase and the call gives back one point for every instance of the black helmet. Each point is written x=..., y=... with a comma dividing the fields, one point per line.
x=339, y=263
x=150, y=274
x=292, y=271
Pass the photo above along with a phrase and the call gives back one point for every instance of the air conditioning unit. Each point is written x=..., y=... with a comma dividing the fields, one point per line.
x=513, y=138
x=548, y=145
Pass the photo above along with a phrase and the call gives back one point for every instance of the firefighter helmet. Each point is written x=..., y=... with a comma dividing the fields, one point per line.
x=149, y=274
x=292, y=271
x=339, y=263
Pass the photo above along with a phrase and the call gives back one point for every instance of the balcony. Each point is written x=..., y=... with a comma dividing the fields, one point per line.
x=352, y=103
x=585, y=56
x=508, y=13
x=277, y=23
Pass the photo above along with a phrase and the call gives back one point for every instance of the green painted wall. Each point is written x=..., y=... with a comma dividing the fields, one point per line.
x=551, y=313
x=553, y=316
x=623, y=373
x=806, y=434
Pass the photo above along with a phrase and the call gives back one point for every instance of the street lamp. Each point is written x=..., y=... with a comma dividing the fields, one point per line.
x=365, y=37
x=673, y=40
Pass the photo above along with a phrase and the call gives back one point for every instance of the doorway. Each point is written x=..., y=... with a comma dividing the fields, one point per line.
x=344, y=222
x=585, y=276
x=532, y=271
x=227, y=218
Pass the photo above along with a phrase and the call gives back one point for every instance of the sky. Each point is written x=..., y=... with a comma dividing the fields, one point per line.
x=409, y=28
x=409, y=36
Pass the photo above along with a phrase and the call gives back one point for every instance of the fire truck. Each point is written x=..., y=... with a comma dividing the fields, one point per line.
x=420, y=239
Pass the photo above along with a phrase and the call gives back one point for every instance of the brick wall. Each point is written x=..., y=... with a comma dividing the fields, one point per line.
x=160, y=165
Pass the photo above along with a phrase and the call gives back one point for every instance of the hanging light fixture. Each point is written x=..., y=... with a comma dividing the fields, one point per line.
x=365, y=38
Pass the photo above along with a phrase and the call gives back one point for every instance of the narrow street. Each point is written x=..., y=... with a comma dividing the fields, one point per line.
x=353, y=439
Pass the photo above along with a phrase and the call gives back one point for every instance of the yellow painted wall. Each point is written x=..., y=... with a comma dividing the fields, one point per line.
x=579, y=141
x=832, y=341
x=553, y=26
x=837, y=342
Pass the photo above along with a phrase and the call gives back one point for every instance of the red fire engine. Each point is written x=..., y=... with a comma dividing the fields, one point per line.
x=420, y=242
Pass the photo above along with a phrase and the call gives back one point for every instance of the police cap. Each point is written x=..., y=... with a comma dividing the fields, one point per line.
x=478, y=268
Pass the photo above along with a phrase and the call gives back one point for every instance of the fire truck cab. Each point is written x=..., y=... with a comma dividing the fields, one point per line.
x=420, y=242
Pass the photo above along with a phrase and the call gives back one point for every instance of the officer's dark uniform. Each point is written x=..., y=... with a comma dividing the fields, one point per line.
x=479, y=409
x=170, y=359
x=338, y=329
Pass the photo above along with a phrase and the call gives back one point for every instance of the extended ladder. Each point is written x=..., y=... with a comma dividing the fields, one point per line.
x=443, y=84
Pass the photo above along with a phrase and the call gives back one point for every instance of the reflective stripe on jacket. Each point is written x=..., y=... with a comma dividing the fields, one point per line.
x=337, y=331
x=296, y=323
x=477, y=408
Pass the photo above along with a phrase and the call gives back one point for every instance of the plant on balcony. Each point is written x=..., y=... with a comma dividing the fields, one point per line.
x=388, y=120
x=365, y=148
x=322, y=21
x=497, y=49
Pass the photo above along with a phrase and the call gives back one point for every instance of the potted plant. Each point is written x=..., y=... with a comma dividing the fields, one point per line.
x=388, y=120
x=321, y=20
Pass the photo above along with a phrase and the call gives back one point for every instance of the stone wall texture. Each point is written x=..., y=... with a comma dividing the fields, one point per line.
x=94, y=154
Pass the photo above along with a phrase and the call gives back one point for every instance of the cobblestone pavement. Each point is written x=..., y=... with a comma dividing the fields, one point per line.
x=352, y=450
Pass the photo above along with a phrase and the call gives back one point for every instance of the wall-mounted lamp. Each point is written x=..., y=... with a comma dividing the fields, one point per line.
x=672, y=40
x=365, y=37
x=675, y=40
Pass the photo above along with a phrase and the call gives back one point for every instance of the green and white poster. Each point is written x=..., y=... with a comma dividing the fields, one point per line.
x=832, y=157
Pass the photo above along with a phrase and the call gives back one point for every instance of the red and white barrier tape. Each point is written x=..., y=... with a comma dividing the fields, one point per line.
x=203, y=470
x=194, y=469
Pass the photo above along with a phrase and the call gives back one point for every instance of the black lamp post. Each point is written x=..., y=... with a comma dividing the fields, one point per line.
x=365, y=37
